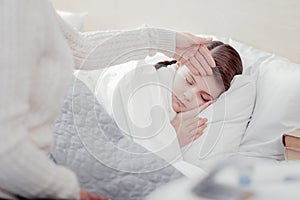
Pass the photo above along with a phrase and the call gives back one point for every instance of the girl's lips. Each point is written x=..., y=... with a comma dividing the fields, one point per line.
x=180, y=102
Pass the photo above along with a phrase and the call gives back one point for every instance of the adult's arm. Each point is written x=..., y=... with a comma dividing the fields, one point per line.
x=100, y=49
x=25, y=170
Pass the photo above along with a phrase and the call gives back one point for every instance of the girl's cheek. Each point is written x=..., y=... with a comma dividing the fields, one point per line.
x=195, y=102
x=199, y=102
x=180, y=87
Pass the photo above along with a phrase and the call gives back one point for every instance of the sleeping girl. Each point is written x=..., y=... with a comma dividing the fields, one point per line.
x=192, y=93
x=158, y=106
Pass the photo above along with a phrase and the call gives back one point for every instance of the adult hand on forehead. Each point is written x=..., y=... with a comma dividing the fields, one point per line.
x=192, y=51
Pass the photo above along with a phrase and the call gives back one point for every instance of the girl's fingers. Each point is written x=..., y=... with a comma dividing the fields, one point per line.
x=192, y=121
x=195, y=111
x=197, y=124
x=190, y=114
x=199, y=132
x=205, y=105
x=202, y=121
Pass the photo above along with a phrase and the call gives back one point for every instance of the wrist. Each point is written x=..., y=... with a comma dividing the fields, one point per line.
x=162, y=40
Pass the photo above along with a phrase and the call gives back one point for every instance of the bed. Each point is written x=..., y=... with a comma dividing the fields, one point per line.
x=80, y=130
x=89, y=141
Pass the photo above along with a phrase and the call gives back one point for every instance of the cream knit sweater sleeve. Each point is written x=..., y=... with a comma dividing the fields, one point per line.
x=31, y=49
x=25, y=169
x=100, y=49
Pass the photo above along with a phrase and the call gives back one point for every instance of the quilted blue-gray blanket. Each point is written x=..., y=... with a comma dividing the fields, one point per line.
x=106, y=161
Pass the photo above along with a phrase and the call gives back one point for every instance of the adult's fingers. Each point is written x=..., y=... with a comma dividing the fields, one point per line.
x=192, y=67
x=196, y=63
x=96, y=197
x=203, y=64
x=188, y=57
x=187, y=53
x=207, y=55
x=185, y=61
x=204, y=61
x=198, y=59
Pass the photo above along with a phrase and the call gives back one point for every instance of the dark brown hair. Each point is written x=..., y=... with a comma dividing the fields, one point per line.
x=227, y=59
x=228, y=62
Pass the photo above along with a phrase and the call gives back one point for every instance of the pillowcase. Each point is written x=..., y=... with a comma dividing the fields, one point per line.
x=277, y=105
x=277, y=108
x=227, y=118
x=75, y=20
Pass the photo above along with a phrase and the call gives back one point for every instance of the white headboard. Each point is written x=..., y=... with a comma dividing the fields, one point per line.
x=270, y=25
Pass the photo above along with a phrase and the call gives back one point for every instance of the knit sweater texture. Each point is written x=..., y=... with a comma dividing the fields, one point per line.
x=38, y=52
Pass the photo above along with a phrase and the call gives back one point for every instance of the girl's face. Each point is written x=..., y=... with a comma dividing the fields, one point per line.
x=190, y=91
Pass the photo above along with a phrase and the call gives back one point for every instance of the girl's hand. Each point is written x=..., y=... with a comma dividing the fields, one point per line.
x=192, y=51
x=189, y=126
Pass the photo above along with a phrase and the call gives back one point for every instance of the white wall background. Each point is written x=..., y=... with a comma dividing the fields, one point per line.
x=270, y=25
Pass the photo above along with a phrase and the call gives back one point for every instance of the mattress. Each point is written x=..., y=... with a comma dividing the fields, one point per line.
x=105, y=160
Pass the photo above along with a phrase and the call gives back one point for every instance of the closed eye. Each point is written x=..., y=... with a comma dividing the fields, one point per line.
x=205, y=97
x=190, y=82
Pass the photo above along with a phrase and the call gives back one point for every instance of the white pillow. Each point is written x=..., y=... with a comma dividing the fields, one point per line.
x=76, y=20
x=277, y=105
x=277, y=108
x=227, y=121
